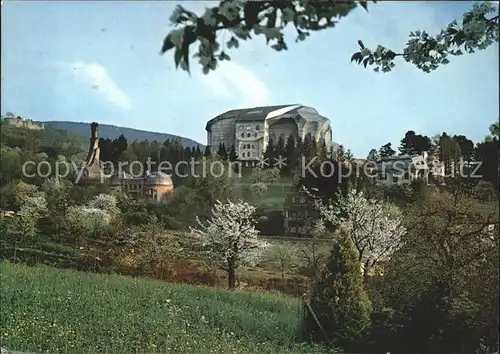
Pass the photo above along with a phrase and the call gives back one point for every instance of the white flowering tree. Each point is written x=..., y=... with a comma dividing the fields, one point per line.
x=374, y=226
x=23, y=225
x=105, y=202
x=230, y=237
x=86, y=221
x=88, y=224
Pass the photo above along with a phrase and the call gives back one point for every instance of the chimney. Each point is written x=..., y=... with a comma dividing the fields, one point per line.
x=93, y=131
x=94, y=145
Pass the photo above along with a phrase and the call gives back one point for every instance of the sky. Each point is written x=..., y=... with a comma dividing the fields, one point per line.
x=99, y=61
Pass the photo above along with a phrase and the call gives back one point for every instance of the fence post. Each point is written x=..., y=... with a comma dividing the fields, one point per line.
x=313, y=314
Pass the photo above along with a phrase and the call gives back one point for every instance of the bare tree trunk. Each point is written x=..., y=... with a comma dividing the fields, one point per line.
x=231, y=277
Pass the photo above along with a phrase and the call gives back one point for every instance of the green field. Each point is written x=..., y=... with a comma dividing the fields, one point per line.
x=50, y=310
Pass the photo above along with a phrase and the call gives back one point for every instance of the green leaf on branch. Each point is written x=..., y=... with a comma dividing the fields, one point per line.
x=167, y=44
x=177, y=57
x=223, y=56
x=357, y=57
x=233, y=43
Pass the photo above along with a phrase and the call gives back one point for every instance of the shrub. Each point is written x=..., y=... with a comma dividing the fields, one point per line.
x=339, y=300
x=484, y=191
x=282, y=258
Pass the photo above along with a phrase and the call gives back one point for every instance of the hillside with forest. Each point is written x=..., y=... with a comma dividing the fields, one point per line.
x=416, y=245
x=107, y=131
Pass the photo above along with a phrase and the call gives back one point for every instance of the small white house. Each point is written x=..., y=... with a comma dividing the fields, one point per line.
x=404, y=169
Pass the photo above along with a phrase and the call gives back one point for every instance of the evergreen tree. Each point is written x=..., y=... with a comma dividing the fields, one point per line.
x=190, y=152
x=299, y=147
x=222, y=152
x=339, y=299
x=270, y=153
x=290, y=154
x=386, y=150
x=322, y=151
x=349, y=155
x=339, y=154
x=307, y=146
x=119, y=146
x=413, y=143
x=373, y=155
x=207, y=151
x=280, y=147
x=332, y=152
x=314, y=148
x=198, y=152
x=232, y=155
x=224, y=155
x=466, y=146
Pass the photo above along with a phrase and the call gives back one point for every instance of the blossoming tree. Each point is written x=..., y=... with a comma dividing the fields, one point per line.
x=230, y=237
x=374, y=226
x=105, y=202
x=93, y=219
x=23, y=226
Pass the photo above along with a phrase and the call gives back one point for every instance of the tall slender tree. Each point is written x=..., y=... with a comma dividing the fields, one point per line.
x=207, y=152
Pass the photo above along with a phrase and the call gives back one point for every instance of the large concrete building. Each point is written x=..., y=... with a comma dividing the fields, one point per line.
x=250, y=130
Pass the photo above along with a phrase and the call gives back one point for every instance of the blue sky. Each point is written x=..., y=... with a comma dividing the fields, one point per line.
x=99, y=61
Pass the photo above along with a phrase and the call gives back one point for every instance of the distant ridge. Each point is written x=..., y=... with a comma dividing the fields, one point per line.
x=107, y=131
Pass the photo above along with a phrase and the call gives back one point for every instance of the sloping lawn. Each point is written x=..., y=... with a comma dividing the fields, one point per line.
x=50, y=310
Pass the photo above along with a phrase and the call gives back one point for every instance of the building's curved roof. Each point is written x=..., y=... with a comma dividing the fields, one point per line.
x=117, y=178
x=269, y=112
x=158, y=179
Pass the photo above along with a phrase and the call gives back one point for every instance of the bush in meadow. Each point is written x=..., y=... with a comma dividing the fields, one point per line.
x=339, y=300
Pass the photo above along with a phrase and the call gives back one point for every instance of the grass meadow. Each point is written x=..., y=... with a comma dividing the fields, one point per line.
x=59, y=311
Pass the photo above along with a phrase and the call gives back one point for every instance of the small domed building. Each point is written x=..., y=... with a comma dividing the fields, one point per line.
x=157, y=184
x=152, y=185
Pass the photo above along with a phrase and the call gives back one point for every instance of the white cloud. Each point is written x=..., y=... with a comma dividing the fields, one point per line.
x=235, y=82
x=98, y=79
